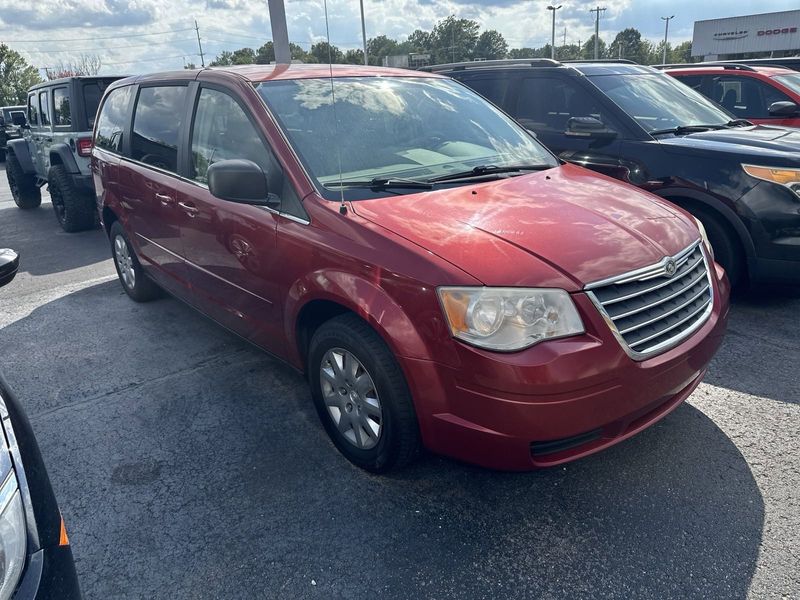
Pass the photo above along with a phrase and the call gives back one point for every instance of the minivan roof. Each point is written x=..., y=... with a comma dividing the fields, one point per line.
x=588, y=67
x=259, y=73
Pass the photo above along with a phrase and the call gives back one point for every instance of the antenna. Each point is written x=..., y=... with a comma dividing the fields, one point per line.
x=342, y=205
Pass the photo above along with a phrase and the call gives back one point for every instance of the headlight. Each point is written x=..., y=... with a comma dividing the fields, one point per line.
x=12, y=536
x=704, y=237
x=789, y=178
x=509, y=319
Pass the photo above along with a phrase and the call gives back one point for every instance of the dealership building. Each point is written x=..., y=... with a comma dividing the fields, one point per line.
x=767, y=35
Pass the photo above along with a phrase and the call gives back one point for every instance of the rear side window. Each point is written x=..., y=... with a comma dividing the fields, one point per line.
x=547, y=104
x=113, y=120
x=92, y=92
x=44, y=108
x=33, y=110
x=156, y=125
x=61, y=109
x=493, y=89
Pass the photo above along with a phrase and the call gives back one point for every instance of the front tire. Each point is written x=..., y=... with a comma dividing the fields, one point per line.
x=23, y=186
x=74, y=209
x=361, y=395
x=727, y=249
x=134, y=280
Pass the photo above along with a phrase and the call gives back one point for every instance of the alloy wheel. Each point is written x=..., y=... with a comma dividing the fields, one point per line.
x=351, y=398
x=124, y=262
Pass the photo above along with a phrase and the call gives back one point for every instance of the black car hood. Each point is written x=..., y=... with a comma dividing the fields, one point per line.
x=759, y=140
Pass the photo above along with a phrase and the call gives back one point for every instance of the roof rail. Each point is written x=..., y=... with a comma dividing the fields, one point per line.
x=478, y=64
x=601, y=60
x=732, y=66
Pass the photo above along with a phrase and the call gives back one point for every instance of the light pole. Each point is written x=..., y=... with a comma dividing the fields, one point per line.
x=553, y=36
x=364, y=32
x=666, y=34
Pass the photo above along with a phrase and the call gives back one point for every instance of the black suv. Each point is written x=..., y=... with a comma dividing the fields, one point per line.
x=11, y=117
x=639, y=125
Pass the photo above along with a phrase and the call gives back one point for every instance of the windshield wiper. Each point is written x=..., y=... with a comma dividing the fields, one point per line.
x=382, y=183
x=739, y=123
x=482, y=170
x=681, y=129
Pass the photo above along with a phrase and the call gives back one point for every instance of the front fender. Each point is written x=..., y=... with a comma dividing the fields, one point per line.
x=21, y=151
x=374, y=304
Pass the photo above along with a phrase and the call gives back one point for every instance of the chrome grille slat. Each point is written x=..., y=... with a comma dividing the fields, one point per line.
x=671, y=327
x=654, y=308
x=666, y=314
x=653, y=288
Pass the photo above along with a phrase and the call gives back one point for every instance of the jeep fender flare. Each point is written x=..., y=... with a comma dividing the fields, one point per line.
x=62, y=154
x=675, y=194
x=23, y=154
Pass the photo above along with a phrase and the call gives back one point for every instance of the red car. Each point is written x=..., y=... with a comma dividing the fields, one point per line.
x=442, y=279
x=760, y=94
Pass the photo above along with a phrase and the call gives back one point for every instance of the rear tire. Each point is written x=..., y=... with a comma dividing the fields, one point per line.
x=134, y=280
x=74, y=208
x=728, y=250
x=23, y=186
x=372, y=395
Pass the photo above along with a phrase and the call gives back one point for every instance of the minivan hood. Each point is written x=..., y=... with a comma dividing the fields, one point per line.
x=755, y=140
x=564, y=227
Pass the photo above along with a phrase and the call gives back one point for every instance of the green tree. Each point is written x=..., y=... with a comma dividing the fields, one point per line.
x=454, y=40
x=420, y=41
x=588, y=48
x=629, y=44
x=682, y=53
x=491, y=45
x=522, y=53
x=354, y=57
x=326, y=53
x=223, y=59
x=16, y=77
x=265, y=54
x=381, y=46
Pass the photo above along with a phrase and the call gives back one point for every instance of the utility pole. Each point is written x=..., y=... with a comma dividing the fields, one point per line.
x=565, y=37
x=597, y=10
x=666, y=34
x=364, y=32
x=553, y=33
x=280, y=34
x=199, y=45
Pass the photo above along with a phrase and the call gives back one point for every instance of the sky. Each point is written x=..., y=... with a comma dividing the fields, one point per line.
x=138, y=36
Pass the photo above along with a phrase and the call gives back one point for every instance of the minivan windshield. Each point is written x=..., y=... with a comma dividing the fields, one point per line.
x=414, y=129
x=659, y=102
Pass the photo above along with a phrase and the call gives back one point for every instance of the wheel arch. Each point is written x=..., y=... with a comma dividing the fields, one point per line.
x=61, y=154
x=324, y=295
x=19, y=148
x=688, y=199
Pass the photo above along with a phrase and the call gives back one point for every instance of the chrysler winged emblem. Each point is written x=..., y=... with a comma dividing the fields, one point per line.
x=670, y=268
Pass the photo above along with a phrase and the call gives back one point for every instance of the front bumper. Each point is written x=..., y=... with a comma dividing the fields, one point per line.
x=50, y=575
x=557, y=401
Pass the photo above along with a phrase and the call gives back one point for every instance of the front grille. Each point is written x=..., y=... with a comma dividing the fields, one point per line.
x=654, y=308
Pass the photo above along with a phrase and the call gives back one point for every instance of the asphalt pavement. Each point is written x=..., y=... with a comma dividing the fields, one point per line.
x=188, y=464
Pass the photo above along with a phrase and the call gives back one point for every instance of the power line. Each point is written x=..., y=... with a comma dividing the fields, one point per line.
x=109, y=48
x=108, y=37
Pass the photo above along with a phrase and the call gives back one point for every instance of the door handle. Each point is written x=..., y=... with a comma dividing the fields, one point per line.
x=165, y=200
x=189, y=209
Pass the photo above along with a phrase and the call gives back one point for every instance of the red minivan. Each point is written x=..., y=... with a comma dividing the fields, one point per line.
x=442, y=279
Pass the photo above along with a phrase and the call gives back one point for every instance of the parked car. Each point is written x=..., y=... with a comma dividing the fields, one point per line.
x=436, y=272
x=639, y=125
x=764, y=95
x=35, y=555
x=55, y=149
x=9, y=129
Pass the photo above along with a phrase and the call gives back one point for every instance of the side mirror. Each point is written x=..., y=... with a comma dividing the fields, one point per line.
x=9, y=263
x=239, y=180
x=589, y=127
x=18, y=119
x=783, y=109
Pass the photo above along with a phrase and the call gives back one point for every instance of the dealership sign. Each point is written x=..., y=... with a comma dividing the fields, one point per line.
x=767, y=32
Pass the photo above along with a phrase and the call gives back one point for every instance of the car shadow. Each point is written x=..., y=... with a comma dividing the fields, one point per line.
x=763, y=360
x=188, y=463
x=24, y=230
